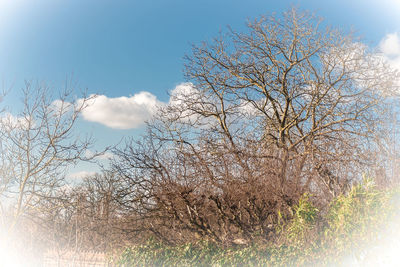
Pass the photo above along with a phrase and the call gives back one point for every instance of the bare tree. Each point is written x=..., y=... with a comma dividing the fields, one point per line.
x=282, y=109
x=317, y=96
x=37, y=145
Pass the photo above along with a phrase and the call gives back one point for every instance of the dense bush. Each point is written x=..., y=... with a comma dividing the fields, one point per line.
x=350, y=224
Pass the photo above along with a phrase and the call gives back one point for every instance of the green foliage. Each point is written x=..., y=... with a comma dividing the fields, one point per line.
x=311, y=237
x=303, y=220
x=154, y=253
x=356, y=219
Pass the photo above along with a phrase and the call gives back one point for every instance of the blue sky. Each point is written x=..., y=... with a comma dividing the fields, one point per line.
x=119, y=49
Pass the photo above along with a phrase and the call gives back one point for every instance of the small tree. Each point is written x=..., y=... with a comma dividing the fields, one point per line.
x=36, y=146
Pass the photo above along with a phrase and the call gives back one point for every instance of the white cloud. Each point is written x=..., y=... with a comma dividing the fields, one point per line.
x=390, y=45
x=249, y=109
x=183, y=92
x=121, y=112
x=11, y=122
x=80, y=175
x=390, y=48
x=59, y=106
x=187, y=103
x=182, y=97
x=365, y=66
x=131, y=112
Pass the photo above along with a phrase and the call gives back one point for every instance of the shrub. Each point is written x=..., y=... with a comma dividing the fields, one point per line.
x=311, y=237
